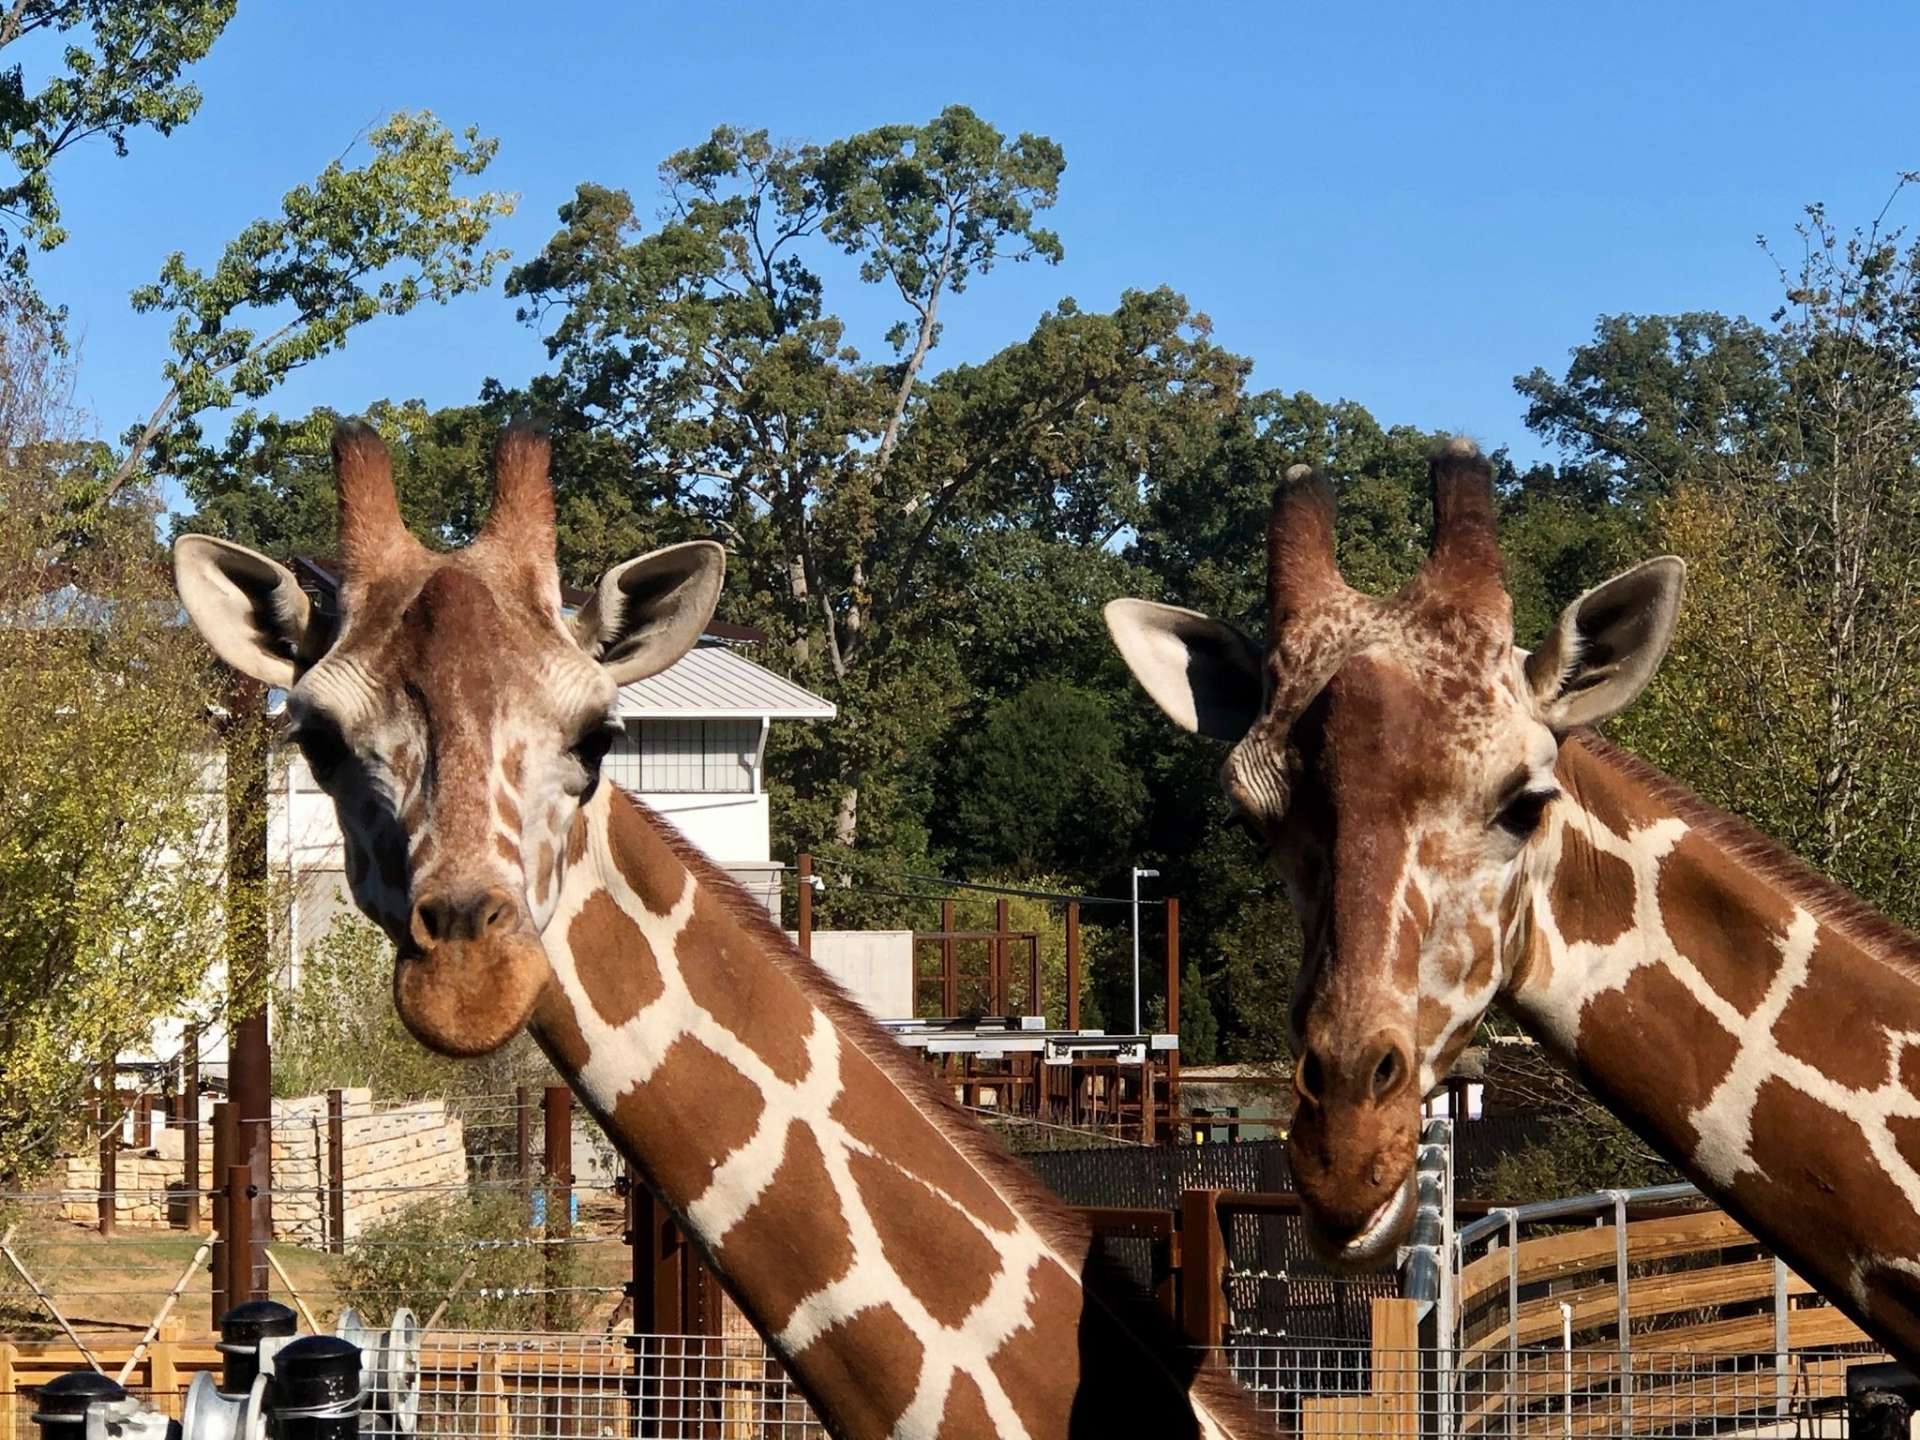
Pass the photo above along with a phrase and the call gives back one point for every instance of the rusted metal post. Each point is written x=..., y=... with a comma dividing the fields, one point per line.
x=1073, y=965
x=224, y=1146
x=998, y=1001
x=949, y=977
x=1036, y=1005
x=108, y=1116
x=190, y=1138
x=143, y=1120
x=1203, y=1271
x=1173, y=1018
x=249, y=1062
x=240, y=1198
x=337, y=1171
x=523, y=1145
x=803, y=870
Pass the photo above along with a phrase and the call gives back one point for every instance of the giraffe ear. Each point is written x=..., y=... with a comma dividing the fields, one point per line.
x=647, y=613
x=1606, y=645
x=250, y=609
x=1203, y=673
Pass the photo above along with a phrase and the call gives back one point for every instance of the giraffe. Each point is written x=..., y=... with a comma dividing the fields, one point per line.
x=1453, y=832
x=912, y=1279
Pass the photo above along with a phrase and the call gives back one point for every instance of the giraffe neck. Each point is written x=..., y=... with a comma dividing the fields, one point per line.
x=911, y=1280
x=1754, y=1022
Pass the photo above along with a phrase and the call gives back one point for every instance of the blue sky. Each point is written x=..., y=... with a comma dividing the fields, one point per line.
x=1404, y=205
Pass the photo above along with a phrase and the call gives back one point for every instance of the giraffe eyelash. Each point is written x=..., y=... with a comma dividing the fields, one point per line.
x=1521, y=816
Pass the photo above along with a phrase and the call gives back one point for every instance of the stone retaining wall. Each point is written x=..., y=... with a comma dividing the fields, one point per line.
x=392, y=1155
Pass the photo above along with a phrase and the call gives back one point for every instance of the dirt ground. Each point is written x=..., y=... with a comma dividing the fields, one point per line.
x=119, y=1284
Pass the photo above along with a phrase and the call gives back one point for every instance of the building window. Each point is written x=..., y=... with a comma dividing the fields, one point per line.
x=685, y=756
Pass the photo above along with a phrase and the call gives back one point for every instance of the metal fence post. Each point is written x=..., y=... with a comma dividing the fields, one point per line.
x=949, y=955
x=337, y=1171
x=559, y=1168
x=1623, y=1315
x=1782, y=1387
x=109, y=1117
x=240, y=1196
x=803, y=869
x=190, y=1137
x=1073, y=965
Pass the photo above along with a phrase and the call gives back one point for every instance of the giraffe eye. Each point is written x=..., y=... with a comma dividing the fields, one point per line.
x=322, y=744
x=1520, y=817
x=591, y=748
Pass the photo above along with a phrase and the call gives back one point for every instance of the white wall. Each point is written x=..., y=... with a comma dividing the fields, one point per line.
x=875, y=966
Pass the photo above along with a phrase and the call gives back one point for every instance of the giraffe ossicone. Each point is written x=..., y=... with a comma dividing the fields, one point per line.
x=1453, y=835
x=910, y=1276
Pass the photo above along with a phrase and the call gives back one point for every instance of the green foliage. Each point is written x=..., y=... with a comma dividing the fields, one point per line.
x=119, y=71
x=110, y=873
x=376, y=239
x=337, y=1026
x=416, y=1256
x=1042, y=783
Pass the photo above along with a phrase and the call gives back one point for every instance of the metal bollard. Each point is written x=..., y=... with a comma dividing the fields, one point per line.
x=86, y=1405
x=316, y=1390
x=249, y=1334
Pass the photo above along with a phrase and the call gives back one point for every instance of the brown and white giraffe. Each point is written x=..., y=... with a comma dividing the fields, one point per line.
x=1453, y=835
x=913, y=1280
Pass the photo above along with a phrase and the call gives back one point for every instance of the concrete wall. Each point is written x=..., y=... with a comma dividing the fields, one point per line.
x=876, y=967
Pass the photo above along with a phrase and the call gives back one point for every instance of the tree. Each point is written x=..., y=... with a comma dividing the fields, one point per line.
x=354, y=244
x=1788, y=475
x=1042, y=785
x=110, y=866
x=857, y=499
x=120, y=69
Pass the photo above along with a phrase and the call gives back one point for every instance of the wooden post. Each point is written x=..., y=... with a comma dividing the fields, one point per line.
x=1203, y=1271
x=949, y=977
x=240, y=1238
x=337, y=1171
x=143, y=1120
x=1396, y=1366
x=1172, y=1128
x=998, y=1001
x=804, y=870
x=190, y=1137
x=1073, y=965
x=109, y=1118
x=9, y=1390
x=163, y=1366
x=558, y=1136
x=494, y=1420
x=1036, y=1003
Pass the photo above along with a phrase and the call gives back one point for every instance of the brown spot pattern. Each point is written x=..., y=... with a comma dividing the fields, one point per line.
x=509, y=812
x=878, y=1114
x=863, y=1372
x=1592, y=894
x=544, y=877
x=1835, y=1020
x=694, y=1111
x=508, y=851
x=774, y=1260
x=949, y=1276
x=616, y=965
x=513, y=764
x=966, y=1413
x=729, y=978
x=1723, y=920
x=1603, y=792
x=1654, y=1014
x=647, y=863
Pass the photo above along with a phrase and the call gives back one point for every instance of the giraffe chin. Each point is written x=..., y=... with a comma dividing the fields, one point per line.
x=468, y=998
x=1374, y=1244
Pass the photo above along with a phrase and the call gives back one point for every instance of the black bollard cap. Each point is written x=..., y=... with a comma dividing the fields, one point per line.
x=64, y=1400
x=317, y=1372
x=255, y=1320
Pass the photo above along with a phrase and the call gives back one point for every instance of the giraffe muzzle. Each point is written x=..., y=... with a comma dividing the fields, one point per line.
x=471, y=973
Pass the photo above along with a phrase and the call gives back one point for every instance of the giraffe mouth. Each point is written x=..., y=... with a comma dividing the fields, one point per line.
x=466, y=999
x=1375, y=1241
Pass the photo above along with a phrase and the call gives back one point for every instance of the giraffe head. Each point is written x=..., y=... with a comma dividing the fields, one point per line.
x=454, y=713
x=1395, y=757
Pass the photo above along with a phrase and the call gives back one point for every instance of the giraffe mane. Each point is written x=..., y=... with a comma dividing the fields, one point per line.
x=1101, y=1277
x=1828, y=901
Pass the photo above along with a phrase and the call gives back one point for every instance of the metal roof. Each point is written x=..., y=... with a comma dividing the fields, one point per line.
x=713, y=680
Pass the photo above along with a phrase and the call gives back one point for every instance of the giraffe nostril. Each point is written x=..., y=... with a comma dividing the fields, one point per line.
x=476, y=915
x=1308, y=1079
x=497, y=906
x=1390, y=1073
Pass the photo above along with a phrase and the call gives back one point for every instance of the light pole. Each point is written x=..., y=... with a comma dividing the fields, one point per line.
x=1138, y=876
